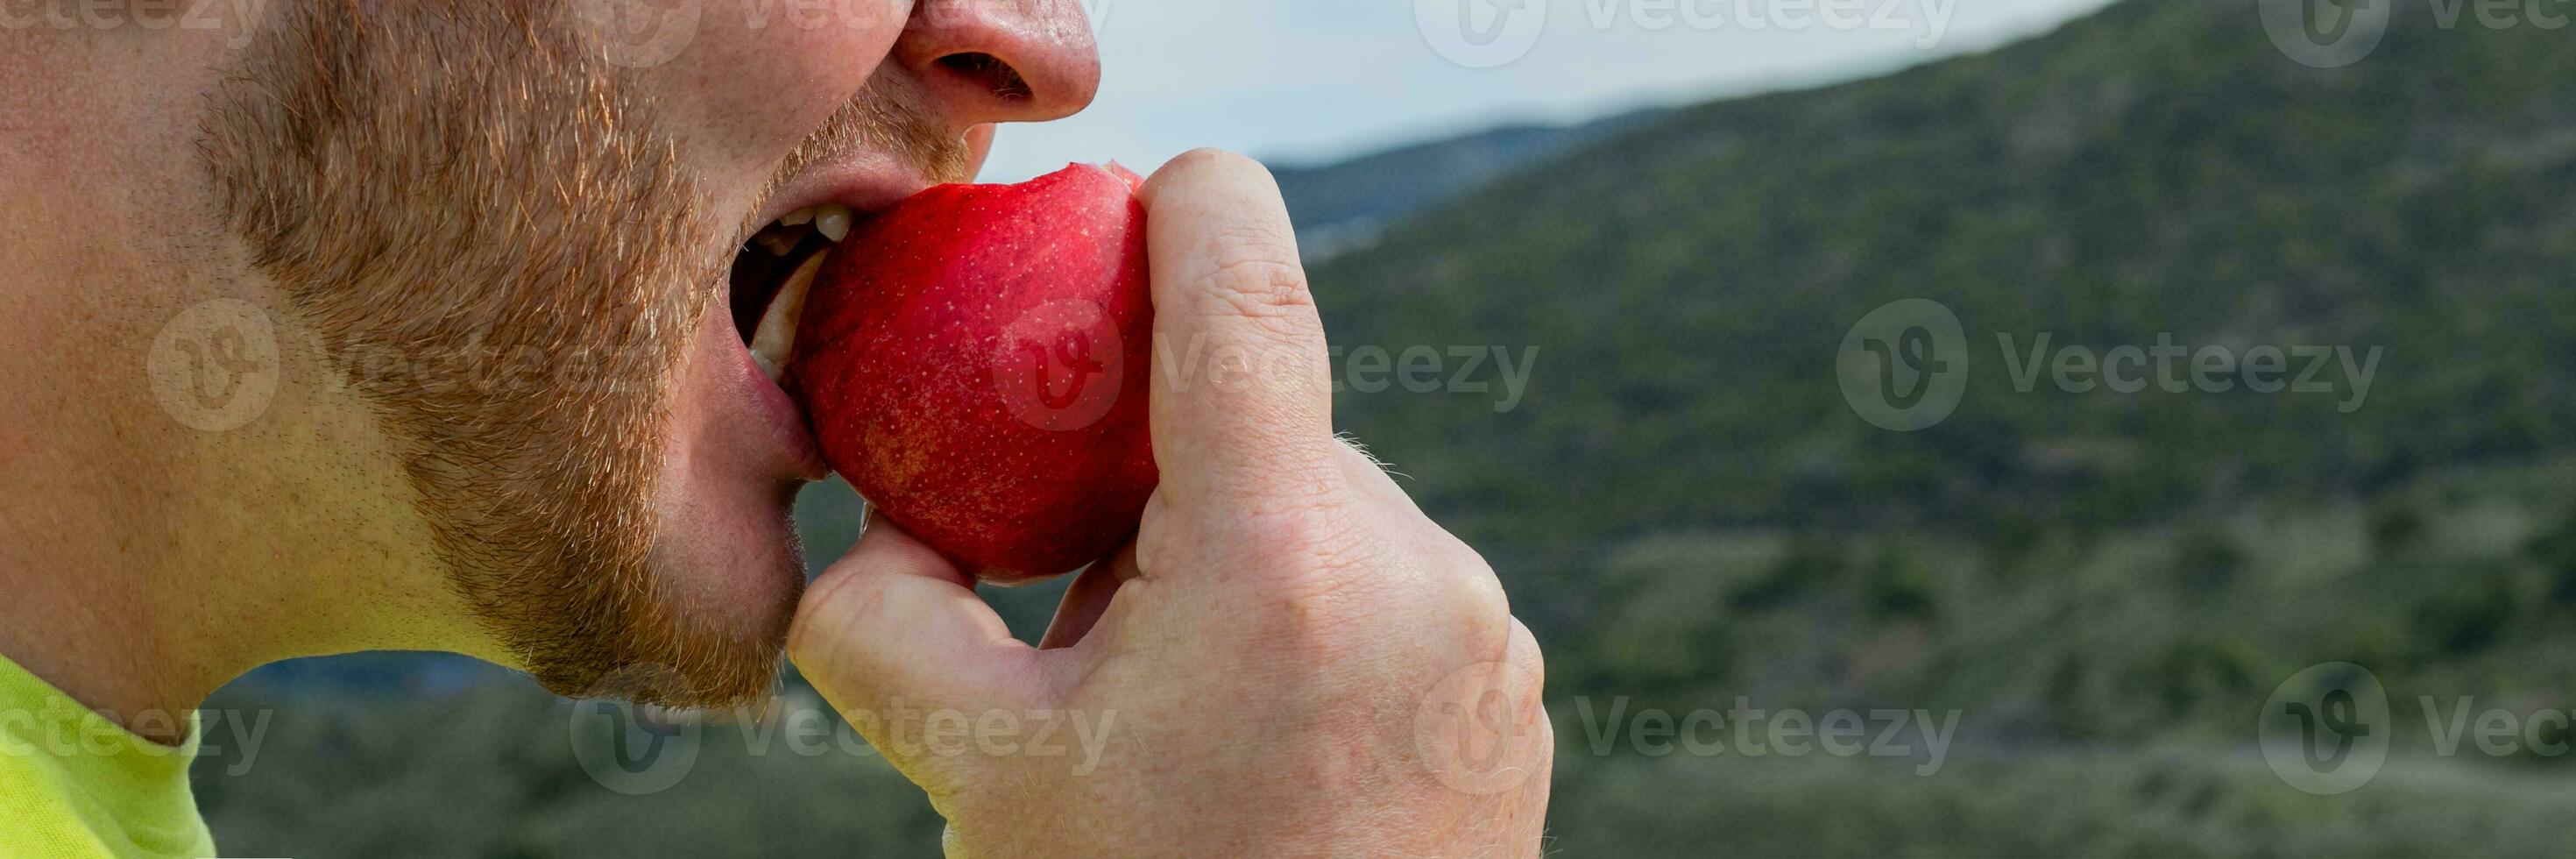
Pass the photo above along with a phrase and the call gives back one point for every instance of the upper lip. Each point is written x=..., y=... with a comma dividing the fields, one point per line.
x=865, y=181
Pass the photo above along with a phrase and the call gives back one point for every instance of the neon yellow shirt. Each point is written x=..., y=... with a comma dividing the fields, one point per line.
x=73, y=784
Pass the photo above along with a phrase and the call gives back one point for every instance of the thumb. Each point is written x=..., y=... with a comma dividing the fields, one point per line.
x=893, y=628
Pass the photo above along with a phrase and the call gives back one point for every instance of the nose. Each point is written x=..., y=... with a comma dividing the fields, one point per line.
x=1002, y=60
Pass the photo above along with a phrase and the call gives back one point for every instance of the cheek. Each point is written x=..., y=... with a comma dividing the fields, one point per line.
x=748, y=79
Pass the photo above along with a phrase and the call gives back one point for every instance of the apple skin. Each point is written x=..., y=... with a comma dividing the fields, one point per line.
x=975, y=361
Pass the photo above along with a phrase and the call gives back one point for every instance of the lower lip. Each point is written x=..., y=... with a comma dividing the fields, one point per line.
x=786, y=419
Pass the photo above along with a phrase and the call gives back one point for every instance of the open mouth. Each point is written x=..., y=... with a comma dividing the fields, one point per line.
x=771, y=274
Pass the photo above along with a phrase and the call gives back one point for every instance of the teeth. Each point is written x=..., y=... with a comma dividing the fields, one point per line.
x=832, y=220
x=773, y=341
x=776, y=242
x=799, y=216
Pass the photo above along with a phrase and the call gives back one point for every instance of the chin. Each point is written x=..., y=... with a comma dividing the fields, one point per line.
x=728, y=572
x=726, y=567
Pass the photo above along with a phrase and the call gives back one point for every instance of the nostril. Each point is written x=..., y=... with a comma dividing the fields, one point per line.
x=989, y=72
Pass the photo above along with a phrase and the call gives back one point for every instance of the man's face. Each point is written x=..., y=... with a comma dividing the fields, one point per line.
x=521, y=232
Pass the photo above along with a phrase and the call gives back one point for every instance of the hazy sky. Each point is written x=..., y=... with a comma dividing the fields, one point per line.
x=1305, y=80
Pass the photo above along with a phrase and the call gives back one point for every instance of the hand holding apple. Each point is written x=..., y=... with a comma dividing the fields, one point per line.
x=1289, y=658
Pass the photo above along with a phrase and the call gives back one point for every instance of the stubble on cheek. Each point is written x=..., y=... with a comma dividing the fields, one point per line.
x=499, y=249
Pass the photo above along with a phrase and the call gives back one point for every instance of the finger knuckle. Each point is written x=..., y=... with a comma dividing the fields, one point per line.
x=1258, y=278
x=1469, y=613
x=1479, y=599
x=1313, y=534
x=1314, y=557
x=1322, y=606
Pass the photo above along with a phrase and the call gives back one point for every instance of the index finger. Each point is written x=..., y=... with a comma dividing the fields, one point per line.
x=1242, y=400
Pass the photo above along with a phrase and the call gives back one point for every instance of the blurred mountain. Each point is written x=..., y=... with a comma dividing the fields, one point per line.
x=1343, y=206
x=2158, y=168
x=1685, y=507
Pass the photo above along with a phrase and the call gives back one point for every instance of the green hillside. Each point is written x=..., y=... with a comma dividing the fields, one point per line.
x=2159, y=167
x=1687, y=510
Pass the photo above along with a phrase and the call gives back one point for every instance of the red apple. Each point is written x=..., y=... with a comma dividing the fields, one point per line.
x=975, y=360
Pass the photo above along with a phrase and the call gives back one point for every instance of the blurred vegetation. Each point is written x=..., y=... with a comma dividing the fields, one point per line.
x=491, y=772
x=2160, y=167
x=2106, y=585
